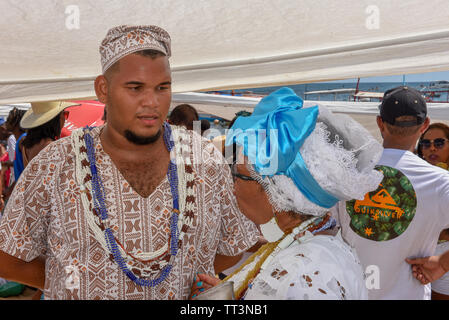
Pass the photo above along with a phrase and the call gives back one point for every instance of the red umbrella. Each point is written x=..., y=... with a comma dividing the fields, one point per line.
x=88, y=113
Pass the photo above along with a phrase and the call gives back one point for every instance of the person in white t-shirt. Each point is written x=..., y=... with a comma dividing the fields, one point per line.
x=405, y=215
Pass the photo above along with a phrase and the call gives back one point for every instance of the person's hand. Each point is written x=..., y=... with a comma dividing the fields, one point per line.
x=426, y=269
x=201, y=283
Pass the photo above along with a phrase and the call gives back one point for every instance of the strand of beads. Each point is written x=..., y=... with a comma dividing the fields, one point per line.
x=267, y=252
x=99, y=204
x=83, y=176
x=312, y=225
x=257, y=258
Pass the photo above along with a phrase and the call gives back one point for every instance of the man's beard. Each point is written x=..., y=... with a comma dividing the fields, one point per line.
x=141, y=141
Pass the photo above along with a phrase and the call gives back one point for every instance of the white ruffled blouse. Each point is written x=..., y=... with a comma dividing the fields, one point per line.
x=321, y=267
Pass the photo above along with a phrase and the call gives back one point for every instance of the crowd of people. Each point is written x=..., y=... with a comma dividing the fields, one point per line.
x=309, y=205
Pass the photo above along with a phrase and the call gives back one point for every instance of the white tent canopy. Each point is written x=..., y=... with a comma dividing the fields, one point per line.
x=49, y=48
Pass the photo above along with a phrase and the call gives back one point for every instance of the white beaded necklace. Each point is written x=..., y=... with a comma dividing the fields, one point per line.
x=289, y=239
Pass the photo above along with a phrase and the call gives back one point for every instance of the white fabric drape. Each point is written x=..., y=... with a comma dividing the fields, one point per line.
x=49, y=48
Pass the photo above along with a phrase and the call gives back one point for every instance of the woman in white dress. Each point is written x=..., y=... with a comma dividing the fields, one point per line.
x=294, y=164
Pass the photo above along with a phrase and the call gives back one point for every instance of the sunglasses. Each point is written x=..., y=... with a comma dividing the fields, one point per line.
x=438, y=143
x=236, y=175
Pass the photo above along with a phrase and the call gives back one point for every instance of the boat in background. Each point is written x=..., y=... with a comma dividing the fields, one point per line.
x=435, y=91
x=353, y=94
x=442, y=84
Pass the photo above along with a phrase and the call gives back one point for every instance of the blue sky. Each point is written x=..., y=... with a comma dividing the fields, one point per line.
x=419, y=77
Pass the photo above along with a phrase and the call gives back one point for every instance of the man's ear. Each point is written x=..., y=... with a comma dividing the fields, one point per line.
x=101, y=88
x=380, y=123
x=382, y=126
x=425, y=125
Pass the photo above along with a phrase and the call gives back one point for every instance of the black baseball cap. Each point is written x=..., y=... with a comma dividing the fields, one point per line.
x=403, y=101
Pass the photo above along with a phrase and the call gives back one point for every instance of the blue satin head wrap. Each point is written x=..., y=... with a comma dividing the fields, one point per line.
x=272, y=137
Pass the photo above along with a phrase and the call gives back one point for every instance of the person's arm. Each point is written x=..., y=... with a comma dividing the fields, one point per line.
x=29, y=273
x=223, y=262
x=429, y=269
x=7, y=164
x=7, y=192
x=24, y=225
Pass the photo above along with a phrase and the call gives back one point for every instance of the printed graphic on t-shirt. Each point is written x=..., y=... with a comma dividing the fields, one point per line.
x=385, y=213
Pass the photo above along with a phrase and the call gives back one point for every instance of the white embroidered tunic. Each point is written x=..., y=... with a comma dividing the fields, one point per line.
x=45, y=216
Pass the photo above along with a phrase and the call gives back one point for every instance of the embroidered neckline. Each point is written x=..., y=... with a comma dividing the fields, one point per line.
x=262, y=257
x=138, y=266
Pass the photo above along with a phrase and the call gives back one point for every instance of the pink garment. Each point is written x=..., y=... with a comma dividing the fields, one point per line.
x=7, y=174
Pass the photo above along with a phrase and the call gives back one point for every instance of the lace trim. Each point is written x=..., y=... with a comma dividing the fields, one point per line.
x=256, y=263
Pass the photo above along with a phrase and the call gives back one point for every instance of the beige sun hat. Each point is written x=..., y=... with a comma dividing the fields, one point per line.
x=219, y=142
x=42, y=112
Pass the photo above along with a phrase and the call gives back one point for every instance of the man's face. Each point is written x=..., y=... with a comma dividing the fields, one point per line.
x=138, y=97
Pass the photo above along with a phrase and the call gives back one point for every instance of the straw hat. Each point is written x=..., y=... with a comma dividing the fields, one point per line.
x=42, y=112
x=219, y=142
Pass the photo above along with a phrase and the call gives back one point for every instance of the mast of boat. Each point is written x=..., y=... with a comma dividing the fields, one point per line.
x=356, y=89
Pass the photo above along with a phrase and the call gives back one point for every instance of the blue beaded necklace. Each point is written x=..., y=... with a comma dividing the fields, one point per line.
x=99, y=204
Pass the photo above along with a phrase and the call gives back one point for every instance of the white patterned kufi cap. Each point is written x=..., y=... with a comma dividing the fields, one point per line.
x=123, y=40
